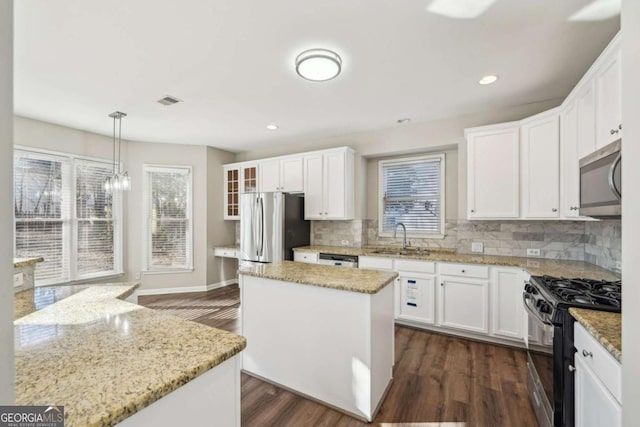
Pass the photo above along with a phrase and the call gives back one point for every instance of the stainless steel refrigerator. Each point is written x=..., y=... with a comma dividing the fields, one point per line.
x=271, y=225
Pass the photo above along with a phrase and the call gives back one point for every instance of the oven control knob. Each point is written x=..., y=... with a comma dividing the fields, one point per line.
x=530, y=289
x=544, y=307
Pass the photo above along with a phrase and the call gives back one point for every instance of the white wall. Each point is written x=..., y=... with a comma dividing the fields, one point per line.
x=7, y=370
x=410, y=138
x=630, y=212
x=219, y=231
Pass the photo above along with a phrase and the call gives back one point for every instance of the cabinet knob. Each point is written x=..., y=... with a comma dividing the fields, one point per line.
x=586, y=353
x=442, y=284
x=473, y=210
x=326, y=213
x=319, y=213
x=620, y=126
x=614, y=131
x=464, y=271
x=554, y=210
x=572, y=368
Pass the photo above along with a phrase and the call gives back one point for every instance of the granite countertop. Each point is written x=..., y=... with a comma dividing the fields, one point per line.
x=535, y=266
x=23, y=262
x=606, y=327
x=104, y=359
x=326, y=276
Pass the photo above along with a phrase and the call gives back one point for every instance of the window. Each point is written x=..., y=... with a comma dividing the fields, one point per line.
x=168, y=223
x=63, y=214
x=412, y=193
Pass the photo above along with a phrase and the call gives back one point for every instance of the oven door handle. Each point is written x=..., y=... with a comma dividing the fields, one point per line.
x=532, y=312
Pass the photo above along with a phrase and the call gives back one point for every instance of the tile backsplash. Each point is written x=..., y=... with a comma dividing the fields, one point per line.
x=597, y=242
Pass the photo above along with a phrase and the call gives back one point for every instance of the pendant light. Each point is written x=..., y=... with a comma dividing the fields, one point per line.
x=118, y=181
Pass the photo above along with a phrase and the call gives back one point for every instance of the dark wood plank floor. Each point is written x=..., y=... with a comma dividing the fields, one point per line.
x=439, y=380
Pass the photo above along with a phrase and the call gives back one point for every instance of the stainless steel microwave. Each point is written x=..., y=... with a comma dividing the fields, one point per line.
x=600, y=182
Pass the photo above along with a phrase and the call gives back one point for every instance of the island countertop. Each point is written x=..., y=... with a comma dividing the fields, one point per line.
x=105, y=359
x=535, y=266
x=326, y=276
x=23, y=262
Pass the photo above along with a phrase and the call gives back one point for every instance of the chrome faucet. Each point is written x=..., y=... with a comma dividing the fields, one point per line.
x=404, y=238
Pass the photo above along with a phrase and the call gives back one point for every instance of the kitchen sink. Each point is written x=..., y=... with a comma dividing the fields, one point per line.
x=398, y=251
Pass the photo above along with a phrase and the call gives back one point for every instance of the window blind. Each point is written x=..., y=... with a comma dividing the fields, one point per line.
x=411, y=194
x=63, y=215
x=169, y=218
x=96, y=226
x=41, y=211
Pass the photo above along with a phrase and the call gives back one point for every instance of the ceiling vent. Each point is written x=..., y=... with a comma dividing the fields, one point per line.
x=169, y=100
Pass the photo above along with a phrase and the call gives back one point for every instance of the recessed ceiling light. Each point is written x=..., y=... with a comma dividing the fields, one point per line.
x=318, y=65
x=272, y=127
x=405, y=120
x=487, y=80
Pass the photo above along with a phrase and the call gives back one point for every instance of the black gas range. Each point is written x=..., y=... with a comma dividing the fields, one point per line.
x=550, y=359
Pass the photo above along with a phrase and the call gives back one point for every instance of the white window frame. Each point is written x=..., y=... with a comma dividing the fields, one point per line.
x=70, y=220
x=146, y=221
x=409, y=160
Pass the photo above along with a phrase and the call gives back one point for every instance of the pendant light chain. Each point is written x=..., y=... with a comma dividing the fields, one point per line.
x=119, y=143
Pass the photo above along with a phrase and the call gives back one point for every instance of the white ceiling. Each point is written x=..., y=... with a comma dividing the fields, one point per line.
x=232, y=62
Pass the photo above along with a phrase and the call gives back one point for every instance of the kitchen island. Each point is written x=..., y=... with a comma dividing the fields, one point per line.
x=108, y=361
x=321, y=331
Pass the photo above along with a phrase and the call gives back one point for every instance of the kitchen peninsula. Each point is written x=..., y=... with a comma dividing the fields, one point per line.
x=324, y=332
x=109, y=361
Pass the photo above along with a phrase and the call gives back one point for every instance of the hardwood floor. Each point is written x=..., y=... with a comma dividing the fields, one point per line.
x=439, y=380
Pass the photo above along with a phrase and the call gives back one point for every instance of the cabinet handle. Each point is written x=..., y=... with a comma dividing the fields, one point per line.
x=620, y=126
x=586, y=353
x=614, y=131
x=554, y=210
x=572, y=368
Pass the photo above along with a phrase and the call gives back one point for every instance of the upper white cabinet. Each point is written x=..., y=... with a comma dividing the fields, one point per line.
x=329, y=184
x=493, y=172
x=239, y=178
x=608, y=100
x=586, y=118
x=570, y=171
x=282, y=174
x=540, y=159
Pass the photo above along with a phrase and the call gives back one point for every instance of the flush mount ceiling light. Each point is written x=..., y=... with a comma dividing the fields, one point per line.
x=487, y=80
x=318, y=65
x=403, y=121
x=272, y=127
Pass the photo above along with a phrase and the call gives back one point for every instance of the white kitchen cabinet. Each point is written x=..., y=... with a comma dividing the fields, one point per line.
x=493, y=171
x=507, y=310
x=540, y=160
x=416, y=298
x=329, y=184
x=308, y=257
x=598, y=383
x=282, y=174
x=586, y=119
x=570, y=169
x=239, y=178
x=609, y=100
x=463, y=304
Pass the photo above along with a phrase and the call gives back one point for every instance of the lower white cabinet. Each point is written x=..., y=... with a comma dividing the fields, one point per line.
x=508, y=313
x=463, y=304
x=416, y=298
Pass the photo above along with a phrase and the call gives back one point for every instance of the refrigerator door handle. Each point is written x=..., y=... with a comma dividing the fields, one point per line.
x=261, y=226
x=255, y=227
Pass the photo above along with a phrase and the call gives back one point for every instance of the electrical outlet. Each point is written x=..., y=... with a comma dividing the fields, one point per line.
x=618, y=265
x=345, y=243
x=18, y=280
x=533, y=252
x=477, y=247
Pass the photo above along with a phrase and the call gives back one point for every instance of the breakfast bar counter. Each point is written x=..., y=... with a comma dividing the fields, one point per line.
x=109, y=361
x=324, y=332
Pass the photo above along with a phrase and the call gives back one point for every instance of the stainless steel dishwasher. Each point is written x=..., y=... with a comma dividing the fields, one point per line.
x=349, y=261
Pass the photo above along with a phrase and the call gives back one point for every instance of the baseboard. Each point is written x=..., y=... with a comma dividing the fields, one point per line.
x=186, y=289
